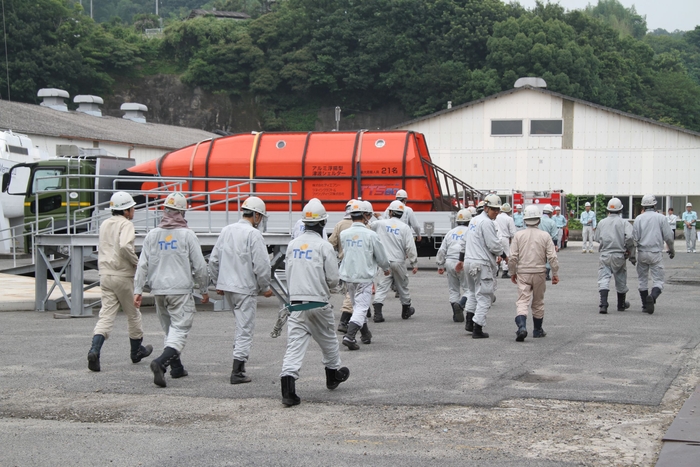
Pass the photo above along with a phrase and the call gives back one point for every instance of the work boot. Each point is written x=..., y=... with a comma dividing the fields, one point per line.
x=369, y=312
x=505, y=275
x=94, y=353
x=344, y=320
x=622, y=303
x=335, y=377
x=177, y=370
x=407, y=311
x=349, y=338
x=548, y=278
x=537, y=328
x=378, y=317
x=651, y=299
x=238, y=375
x=478, y=332
x=644, y=294
x=365, y=335
x=289, y=394
x=603, y=302
x=138, y=351
x=469, y=326
x=160, y=365
x=521, y=333
x=463, y=302
x=457, y=313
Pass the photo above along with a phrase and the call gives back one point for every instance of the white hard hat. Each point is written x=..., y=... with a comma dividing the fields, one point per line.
x=518, y=206
x=505, y=207
x=492, y=201
x=689, y=205
x=472, y=210
x=649, y=200
x=401, y=194
x=121, y=201
x=314, y=212
x=348, y=206
x=547, y=208
x=357, y=206
x=557, y=208
x=176, y=201
x=397, y=205
x=255, y=204
x=614, y=205
x=587, y=205
x=367, y=207
x=464, y=216
x=531, y=214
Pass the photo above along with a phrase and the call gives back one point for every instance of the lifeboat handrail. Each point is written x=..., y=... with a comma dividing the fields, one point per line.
x=451, y=187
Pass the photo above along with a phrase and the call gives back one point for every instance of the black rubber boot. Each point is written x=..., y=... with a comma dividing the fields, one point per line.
x=537, y=330
x=521, y=333
x=457, y=313
x=160, y=365
x=644, y=294
x=622, y=303
x=407, y=311
x=603, y=302
x=289, y=394
x=365, y=335
x=463, y=302
x=138, y=351
x=478, y=332
x=177, y=370
x=238, y=375
x=548, y=277
x=651, y=299
x=349, y=338
x=505, y=275
x=469, y=326
x=94, y=353
x=344, y=320
x=369, y=312
x=378, y=317
x=335, y=377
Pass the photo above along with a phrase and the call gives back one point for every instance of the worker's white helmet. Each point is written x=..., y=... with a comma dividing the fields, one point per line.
x=397, y=205
x=587, y=205
x=121, y=201
x=349, y=204
x=314, y=212
x=557, y=208
x=649, y=200
x=255, y=204
x=547, y=208
x=472, y=210
x=367, y=207
x=689, y=205
x=401, y=194
x=505, y=207
x=357, y=206
x=531, y=215
x=614, y=205
x=176, y=201
x=463, y=216
x=518, y=206
x=492, y=201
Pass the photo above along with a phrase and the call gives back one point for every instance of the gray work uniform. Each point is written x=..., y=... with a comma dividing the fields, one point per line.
x=240, y=266
x=506, y=232
x=689, y=232
x=172, y=265
x=334, y=240
x=588, y=222
x=408, y=217
x=362, y=253
x=650, y=232
x=614, y=234
x=481, y=247
x=312, y=275
x=448, y=257
x=548, y=225
x=399, y=246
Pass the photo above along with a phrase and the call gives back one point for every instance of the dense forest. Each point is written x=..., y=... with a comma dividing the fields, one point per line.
x=295, y=56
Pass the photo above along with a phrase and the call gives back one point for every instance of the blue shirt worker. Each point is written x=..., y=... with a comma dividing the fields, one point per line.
x=172, y=265
x=548, y=225
x=363, y=252
x=447, y=259
x=650, y=232
x=560, y=221
x=518, y=217
x=588, y=223
x=312, y=274
x=689, y=218
x=239, y=267
x=614, y=234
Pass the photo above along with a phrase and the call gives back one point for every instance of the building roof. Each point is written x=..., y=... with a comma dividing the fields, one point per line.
x=551, y=93
x=43, y=121
x=218, y=14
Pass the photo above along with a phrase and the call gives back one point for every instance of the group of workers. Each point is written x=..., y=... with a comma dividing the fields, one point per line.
x=362, y=253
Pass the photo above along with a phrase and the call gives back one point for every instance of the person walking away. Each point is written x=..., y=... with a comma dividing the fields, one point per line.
x=172, y=265
x=447, y=259
x=239, y=267
x=409, y=217
x=362, y=254
x=549, y=226
x=531, y=250
x=398, y=243
x=614, y=234
x=334, y=239
x=588, y=223
x=650, y=232
x=560, y=221
x=506, y=231
x=480, y=249
x=116, y=262
x=689, y=218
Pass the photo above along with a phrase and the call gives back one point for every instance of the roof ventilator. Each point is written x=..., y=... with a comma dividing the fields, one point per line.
x=54, y=98
x=89, y=105
x=530, y=81
x=134, y=112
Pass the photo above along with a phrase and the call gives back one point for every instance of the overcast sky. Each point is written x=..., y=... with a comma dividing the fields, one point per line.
x=666, y=14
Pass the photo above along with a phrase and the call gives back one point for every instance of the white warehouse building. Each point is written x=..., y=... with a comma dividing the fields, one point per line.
x=532, y=139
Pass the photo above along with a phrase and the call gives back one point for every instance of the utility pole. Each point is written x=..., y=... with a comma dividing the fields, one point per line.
x=337, y=118
x=156, y=7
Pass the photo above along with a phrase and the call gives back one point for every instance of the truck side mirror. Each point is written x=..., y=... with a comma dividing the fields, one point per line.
x=6, y=181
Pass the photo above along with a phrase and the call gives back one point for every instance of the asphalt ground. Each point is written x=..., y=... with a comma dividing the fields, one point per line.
x=427, y=361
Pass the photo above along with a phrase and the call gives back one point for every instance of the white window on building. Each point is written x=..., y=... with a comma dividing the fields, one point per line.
x=506, y=127
x=546, y=127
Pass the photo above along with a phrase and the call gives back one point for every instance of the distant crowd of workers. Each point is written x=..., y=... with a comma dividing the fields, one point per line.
x=365, y=255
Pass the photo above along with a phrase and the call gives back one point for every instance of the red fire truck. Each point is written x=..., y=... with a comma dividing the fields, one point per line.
x=540, y=198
